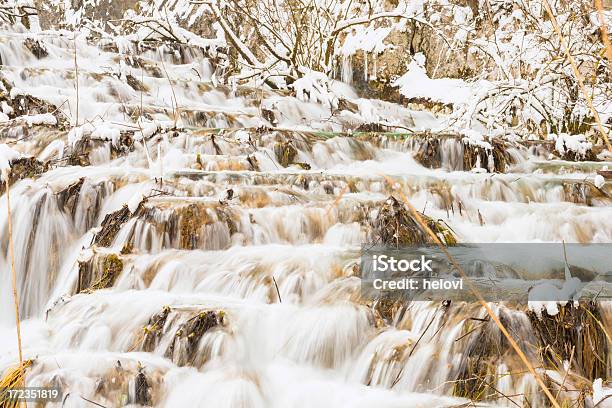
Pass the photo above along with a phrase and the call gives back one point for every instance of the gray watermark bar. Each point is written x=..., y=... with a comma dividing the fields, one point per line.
x=498, y=272
x=30, y=394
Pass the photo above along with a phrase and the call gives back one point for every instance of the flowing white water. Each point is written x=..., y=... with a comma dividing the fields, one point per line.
x=195, y=249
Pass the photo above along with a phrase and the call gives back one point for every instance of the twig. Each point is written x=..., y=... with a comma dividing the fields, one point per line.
x=604, y=33
x=471, y=331
x=422, y=334
x=277, y=291
x=92, y=402
x=566, y=372
x=76, y=80
x=502, y=394
x=397, y=377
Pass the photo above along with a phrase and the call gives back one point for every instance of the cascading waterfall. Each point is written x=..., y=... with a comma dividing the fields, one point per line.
x=229, y=278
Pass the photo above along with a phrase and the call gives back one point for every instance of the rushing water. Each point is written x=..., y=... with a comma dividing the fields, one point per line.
x=271, y=262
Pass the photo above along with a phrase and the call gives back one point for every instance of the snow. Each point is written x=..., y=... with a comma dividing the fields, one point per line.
x=600, y=393
x=314, y=87
x=555, y=296
x=369, y=39
x=547, y=296
x=106, y=133
x=41, y=119
x=134, y=202
x=475, y=138
x=7, y=155
x=417, y=84
x=599, y=181
x=6, y=108
x=77, y=133
x=575, y=143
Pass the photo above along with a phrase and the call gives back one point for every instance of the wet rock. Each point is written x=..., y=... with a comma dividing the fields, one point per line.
x=142, y=390
x=303, y=166
x=31, y=105
x=428, y=153
x=571, y=155
x=371, y=127
x=606, y=174
x=99, y=272
x=124, y=145
x=22, y=168
x=78, y=155
x=396, y=226
x=252, y=160
x=225, y=216
x=387, y=309
x=154, y=328
x=184, y=346
x=36, y=48
x=285, y=153
x=189, y=220
x=586, y=193
x=345, y=104
x=68, y=198
x=493, y=160
x=269, y=116
x=128, y=383
x=218, y=150
x=111, y=225
x=26, y=167
x=22, y=105
x=188, y=226
x=147, y=66
x=136, y=84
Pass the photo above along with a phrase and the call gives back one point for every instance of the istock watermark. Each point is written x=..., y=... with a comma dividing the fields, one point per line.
x=383, y=263
x=497, y=272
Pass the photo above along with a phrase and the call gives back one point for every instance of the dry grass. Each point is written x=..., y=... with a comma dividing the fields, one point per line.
x=13, y=378
x=573, y=335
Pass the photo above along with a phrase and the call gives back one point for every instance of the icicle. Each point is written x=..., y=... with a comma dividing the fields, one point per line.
x=346, y=73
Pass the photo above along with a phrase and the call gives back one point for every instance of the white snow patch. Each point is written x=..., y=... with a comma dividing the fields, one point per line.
x=417, y=84
x=7, y=155
x=314, y=87
x=134, y=202
x=556, y=296
x=600, y=392
x=369, y=39
x=78, y=132
x=576, y=143
x=6, y=108
x=41, y=119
